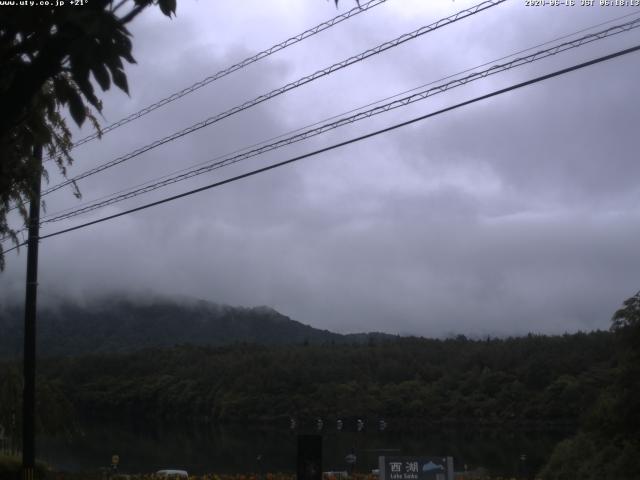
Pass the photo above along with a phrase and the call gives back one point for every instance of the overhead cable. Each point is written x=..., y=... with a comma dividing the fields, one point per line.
x=610, y=32
x=415, y=97
x=233, y=68
x=344, y=143
x=279, y=91
x=333, y=117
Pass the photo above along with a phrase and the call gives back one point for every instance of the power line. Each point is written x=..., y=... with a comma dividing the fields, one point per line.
x=366, y=6
x=319, y=122
x=602, y=34
x=227, y=71
x=279, y=91
x=243, y=63
x=300, y=129
x=333, y=22
x=347, y=142
x=422, y=95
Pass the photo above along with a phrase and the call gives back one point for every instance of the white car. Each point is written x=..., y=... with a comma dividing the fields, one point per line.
x=172, y=474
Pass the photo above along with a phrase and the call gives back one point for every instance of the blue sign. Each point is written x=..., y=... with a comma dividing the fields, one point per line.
x=416, y=468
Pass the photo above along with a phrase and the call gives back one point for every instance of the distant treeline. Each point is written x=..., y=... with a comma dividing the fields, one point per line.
x=533, y=379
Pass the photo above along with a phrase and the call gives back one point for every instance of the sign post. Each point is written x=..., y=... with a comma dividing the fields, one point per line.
x=115, y=461
x=415, y=468
x=309, y=464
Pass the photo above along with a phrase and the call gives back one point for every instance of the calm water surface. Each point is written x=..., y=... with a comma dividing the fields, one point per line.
x=236, y=449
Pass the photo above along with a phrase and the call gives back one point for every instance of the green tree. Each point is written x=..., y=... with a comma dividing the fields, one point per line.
x=608, y=443
x=626, y=323
x=48, y=57
x=628, y=315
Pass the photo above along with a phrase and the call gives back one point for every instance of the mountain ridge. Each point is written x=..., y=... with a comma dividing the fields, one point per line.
x=118, y=324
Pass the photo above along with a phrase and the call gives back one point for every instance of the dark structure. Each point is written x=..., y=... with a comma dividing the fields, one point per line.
x=309, y=457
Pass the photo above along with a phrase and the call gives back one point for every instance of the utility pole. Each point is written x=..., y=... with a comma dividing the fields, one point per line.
x=29, y=392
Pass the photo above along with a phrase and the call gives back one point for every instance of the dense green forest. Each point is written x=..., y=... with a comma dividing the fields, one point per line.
x=536, y=379
x=608, y=443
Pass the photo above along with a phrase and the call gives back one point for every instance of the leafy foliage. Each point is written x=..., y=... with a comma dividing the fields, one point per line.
x=535, y=379
x=628, y=316
x=608, y=445
x=626, y=323
x=55, y=414
x=588, y=457
x=47, y=57
x=11, y=468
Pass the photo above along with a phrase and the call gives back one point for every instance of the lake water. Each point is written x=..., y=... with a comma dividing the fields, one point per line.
x=236, y=449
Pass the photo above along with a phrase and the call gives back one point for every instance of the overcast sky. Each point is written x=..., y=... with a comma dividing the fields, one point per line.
x=517, y=214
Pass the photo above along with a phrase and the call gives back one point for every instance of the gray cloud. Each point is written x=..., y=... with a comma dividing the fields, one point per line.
x=518, y=214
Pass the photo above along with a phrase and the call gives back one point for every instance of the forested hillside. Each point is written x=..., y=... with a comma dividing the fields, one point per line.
x=534, y=379
x=117, y=324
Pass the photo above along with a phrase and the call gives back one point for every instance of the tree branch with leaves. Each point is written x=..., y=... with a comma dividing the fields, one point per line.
x=50, y=59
